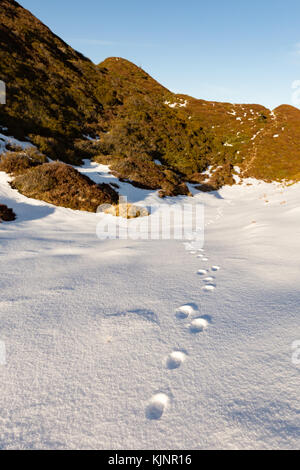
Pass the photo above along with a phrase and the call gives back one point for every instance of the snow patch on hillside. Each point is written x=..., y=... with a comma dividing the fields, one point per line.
x=179, y=104
x=8, y=140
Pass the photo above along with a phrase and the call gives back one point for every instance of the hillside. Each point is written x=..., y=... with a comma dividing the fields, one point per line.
x=52, y=91
x=264, y=143
x=78, y=98
x=276, y=154
x=116, y=113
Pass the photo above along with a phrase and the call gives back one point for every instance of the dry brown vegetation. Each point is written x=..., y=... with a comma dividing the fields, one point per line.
x=17, y=162
x=276, y=154
x=264, y=144
x=54, y=94
x=62, y=185
x=146, y=174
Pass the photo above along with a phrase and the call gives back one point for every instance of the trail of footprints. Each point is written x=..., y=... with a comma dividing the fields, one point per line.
x=197, y=324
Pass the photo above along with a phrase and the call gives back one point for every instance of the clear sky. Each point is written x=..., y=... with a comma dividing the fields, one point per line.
x=223, y=50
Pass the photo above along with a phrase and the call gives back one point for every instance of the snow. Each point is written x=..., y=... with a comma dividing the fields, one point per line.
x=4, y=140
x=114, y=344
x=255, y=135
x=171, y=105
x=236, y=176
x=181, y=104
x=91, y=139
x=101, y=174
x=209, y=172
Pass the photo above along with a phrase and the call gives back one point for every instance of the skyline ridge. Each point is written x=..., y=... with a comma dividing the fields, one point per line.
x=193, y=50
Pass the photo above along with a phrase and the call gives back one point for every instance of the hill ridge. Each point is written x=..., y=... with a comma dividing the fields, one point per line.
x=56, y=97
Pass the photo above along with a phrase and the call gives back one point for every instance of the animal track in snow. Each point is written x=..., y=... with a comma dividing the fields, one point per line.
x=209, y=288
x=202, y=272
x=215, y=268
x=157, y=406
x=209, y=279
x=175, y=359
x=185, y=311
x=198, y=325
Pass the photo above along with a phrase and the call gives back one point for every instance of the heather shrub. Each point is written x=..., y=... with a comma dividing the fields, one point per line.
x=18, y=162
x=62, y=185
x=145, y=174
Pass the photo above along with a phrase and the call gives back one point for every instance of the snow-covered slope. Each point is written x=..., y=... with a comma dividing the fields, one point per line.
x=99, y=353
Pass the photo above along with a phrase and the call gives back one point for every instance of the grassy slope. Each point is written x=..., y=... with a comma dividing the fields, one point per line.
x=143, y=126
x=52, y=91
x=276, y=154
x=249, y=130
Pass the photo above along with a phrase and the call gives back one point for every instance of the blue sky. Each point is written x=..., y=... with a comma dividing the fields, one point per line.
x=233, y=50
